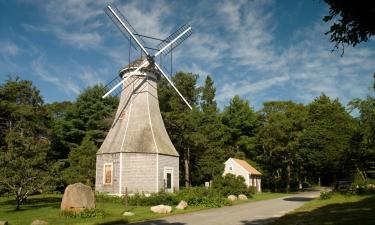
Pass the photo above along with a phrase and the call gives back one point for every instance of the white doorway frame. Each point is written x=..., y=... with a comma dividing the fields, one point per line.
x=166, y=171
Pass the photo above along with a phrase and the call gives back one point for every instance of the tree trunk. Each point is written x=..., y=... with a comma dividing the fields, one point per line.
x=186, y=164
x=288, y=178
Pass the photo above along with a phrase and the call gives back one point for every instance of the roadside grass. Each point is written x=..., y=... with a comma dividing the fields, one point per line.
x=47, y=207
x=339, y=209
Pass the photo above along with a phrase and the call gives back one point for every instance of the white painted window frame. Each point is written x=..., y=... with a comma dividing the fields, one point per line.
x=166, y=170
x=104, y=165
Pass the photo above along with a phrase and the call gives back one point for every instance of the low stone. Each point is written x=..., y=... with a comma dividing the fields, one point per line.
x=39, y=222
x=128, y=214
x=182, y=205
x=242, y=197
x=161, y=209
x=232, y=198
x=77, y=197
x=3, y=222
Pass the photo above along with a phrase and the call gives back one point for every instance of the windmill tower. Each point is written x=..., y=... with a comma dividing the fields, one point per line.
x=137, y=155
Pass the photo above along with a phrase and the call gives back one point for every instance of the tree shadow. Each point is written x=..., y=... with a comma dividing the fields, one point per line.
x=298, y=199
x=34, y=203
x=158, y=222
x=257, y=221
x=361, y=212
x=114, y=222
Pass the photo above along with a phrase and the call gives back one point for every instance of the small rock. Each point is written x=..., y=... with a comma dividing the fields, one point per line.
x=128, y=214
x=242, y=197
x=182, y=205
x=232, y=198
x=161, y=209
x=78, y=197
x=3, y=222
x=39, y=222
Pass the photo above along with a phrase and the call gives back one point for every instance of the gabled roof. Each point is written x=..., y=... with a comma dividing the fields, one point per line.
x=246, y=166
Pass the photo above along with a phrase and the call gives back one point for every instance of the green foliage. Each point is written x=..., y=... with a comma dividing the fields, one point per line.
x=324, y=195
x=86, y=213
x=355, y=23
x=230, y=185
x=279, y=141
x=24, y=139
x=194, y=196
x=202, y=196
x=153, y=199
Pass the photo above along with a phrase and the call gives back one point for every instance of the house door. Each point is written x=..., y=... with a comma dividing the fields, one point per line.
x=168, y=179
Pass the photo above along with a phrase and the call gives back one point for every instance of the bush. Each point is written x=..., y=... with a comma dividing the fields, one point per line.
x=154, y=199
x=230, y=185
x=86, y=213
x=325, y=195
x=202, y=196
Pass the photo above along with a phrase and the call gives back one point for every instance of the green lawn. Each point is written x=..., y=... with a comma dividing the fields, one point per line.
x=340, y=209
x=47, y=207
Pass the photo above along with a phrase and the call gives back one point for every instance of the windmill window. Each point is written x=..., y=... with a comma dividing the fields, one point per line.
x=108, y=174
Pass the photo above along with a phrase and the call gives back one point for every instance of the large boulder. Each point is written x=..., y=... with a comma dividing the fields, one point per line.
x=78, y=197
x=242, y=197
x=161, y=209
x=182, y=205
x=39, y=222
x=232, y=198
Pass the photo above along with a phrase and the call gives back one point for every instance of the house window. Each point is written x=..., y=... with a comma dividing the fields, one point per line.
x=108, y=173
x=230, y=168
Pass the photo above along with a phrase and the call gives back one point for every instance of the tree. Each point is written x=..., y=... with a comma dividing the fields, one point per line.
x=362, y=154
x=179, y=119
x=356, y=22
x=278, y=140
x=212, y=155
x=82, y=129
x=326, y=138
x=24, y=139
x=241, y=124
x=82, y=163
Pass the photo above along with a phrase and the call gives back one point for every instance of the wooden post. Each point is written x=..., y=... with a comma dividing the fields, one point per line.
x=126, y=199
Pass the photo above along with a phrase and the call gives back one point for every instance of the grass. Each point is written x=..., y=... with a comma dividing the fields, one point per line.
x=339, y=209
x=47, y=208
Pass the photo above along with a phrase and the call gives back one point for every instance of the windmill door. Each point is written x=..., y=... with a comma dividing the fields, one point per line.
x=168, y=179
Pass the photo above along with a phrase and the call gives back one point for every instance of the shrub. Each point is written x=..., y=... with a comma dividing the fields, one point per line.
x=325, y=195
x=230, y=185
x=103, y=197
x=201, y=196
x=154, y=199
x=86, y=213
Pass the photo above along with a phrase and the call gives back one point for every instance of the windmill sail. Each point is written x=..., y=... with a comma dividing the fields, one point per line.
x=173, y=36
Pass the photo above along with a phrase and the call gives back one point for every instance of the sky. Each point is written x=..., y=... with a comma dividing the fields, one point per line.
x=262, y=50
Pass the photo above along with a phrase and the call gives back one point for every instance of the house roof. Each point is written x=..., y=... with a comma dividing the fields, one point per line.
x=247, y=166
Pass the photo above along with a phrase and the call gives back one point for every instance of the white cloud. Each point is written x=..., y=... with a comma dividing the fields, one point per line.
x=63, y=81
x=9, y=48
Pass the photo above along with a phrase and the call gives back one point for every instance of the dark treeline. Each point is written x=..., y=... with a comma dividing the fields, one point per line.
x=52, y=145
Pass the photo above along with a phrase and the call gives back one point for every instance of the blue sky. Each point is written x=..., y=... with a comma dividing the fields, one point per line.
x=261, y=50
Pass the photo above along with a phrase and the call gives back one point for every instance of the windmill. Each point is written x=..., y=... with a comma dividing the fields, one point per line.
x=137, y=154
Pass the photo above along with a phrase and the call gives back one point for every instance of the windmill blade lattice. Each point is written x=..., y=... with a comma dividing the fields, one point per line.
x=173, y=36
x=120, y=27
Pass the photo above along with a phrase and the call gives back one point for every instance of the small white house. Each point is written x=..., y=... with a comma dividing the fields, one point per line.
x=242, y=168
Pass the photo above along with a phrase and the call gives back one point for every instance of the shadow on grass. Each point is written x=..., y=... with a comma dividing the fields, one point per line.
x=33, y=203
x=361, y=212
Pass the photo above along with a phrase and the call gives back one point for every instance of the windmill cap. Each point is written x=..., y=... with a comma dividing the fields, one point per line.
x=135, y=64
